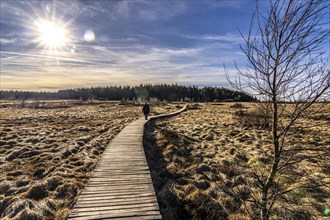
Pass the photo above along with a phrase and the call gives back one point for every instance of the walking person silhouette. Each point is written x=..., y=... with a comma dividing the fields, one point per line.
x=146, y=110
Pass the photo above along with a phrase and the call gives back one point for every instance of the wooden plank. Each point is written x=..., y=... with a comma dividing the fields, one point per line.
x=136, y=149
x=123, y=162
x=118, y=209
x=110, y=169
x=127, y=171
x=115, y=202
x=145, y=217
x=139, y=165
x=126, y=192
x=109, y=183
x=119, y=198
x=128, y=175
x=117, y=175
x=113, y=184
x=129, y=155
x=116, y=170
x=104, y=180
x=106, y=192
x=120, y=194
x=126, y=184
x=116, y=196
x=108, y=215
x=110, y=178
x=123, y=166
x=113, y=208
x=118, y=178
x=110, y=189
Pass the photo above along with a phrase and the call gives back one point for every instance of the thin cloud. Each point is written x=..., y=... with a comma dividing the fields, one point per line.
x=5, y=41
x=46, y=56
x=234, y=4
x=226, y=38
x=148, y=10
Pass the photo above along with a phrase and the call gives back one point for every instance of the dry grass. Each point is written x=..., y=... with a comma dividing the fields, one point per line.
x=204, y=162
x=48, y=153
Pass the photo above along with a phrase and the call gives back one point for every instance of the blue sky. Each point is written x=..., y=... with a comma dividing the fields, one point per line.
x=121, y=42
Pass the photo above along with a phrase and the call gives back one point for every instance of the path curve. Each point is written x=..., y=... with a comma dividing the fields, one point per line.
x=121, y=185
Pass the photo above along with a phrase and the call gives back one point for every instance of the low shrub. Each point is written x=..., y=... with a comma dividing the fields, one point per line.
x=68, y=190
x=259, y=117
x=237, y=105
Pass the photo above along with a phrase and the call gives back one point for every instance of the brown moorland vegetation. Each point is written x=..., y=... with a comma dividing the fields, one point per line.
x=48, y=150
x=205, y=163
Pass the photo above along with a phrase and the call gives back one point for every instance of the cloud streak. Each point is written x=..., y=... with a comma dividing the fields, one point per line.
x=58, y=58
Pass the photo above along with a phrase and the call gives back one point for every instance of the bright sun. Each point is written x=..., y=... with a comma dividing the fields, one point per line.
x=51, y=35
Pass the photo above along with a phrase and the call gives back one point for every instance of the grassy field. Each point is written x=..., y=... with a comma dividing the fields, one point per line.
x=205, y=163
x=48, y=151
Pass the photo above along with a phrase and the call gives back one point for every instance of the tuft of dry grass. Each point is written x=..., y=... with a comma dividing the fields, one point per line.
x=37, y=192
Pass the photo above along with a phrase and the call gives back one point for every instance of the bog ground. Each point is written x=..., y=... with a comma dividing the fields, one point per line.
x=202, y=161
x=206, y=162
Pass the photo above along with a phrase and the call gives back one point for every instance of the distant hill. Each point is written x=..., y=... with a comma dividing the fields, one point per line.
x=172, y=92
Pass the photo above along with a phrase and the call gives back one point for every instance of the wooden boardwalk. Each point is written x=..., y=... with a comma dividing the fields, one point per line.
x=121, y=185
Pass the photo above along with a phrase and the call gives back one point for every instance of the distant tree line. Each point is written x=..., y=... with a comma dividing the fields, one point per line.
x=173, y=92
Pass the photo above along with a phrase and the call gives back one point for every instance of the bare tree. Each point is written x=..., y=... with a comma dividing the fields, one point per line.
x=285, y=50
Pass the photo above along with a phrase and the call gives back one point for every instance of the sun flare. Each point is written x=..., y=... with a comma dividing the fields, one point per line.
x=51, y=35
